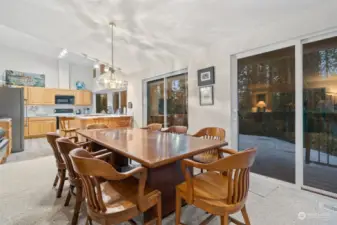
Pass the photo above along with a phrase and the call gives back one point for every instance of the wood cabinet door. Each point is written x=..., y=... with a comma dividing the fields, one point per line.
x=35, y=96
x=35, y=128
x=86, y=98
x=48, y=126
x=41, y=126
x=49, y=96
x=79, y=97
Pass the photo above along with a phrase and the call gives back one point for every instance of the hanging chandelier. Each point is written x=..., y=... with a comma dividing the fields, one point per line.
x=113, y=78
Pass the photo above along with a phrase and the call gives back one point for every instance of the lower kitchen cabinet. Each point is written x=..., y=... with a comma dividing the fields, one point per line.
x=39, y=126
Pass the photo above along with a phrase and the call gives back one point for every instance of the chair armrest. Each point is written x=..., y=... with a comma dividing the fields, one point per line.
x=192, y=163
x=100, y=152
x=228, y=151
x=103, y=156
x=84, y=144
x=75, y=138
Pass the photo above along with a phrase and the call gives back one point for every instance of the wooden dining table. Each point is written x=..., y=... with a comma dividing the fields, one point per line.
x=159, y=152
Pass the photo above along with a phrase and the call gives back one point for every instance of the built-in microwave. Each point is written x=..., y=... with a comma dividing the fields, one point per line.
x=65, y=99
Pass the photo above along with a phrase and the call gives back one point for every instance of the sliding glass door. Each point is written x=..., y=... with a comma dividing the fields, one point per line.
x=166, y=100
x=266, y=111
x=155, y=102
x=320, y=114
x=177, y=100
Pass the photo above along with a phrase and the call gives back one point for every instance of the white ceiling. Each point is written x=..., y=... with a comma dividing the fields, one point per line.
x=147, y=30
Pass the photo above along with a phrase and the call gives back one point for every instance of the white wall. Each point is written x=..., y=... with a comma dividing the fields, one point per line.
x=219, y=55
x=59, y=74
x=13, y=59
x=81, y=73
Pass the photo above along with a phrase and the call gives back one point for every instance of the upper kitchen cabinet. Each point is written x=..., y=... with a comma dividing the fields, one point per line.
x=41, y=96
x=83, y=98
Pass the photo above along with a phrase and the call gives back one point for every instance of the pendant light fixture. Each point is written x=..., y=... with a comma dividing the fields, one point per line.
x=114, y=78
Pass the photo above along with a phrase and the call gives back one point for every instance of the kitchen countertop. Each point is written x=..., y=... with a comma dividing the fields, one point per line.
x=5, y=119
x=78, y=116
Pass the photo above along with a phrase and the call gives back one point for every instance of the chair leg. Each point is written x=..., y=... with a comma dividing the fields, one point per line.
x=71, y=188
x=245, y=215
x=77, y=205
x=225, y=220
x=89, y=221
x=56, y=180
x=62, y=179
x=159, y=211
x=178, y=207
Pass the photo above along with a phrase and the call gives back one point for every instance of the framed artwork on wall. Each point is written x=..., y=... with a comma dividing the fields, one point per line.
x=206, y=95
x=206, y=76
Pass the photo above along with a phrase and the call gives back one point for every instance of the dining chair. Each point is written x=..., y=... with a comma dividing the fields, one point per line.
x=222, y=190
x=65, y=126
x=60, y=164
x=153, y=127
x=212, y=133
x=97, y=126
x=120, y=197
x=176, y=130
x=65, y=145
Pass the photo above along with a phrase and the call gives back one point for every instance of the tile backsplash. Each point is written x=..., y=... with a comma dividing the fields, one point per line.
x=40, y=110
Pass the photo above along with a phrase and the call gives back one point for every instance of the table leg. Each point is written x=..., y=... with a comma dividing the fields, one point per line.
x=165, y=179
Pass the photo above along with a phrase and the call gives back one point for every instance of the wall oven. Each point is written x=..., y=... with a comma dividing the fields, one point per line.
x=65, y=99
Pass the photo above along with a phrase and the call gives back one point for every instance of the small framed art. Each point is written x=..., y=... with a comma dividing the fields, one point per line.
x=206, y=95
x=206, y=76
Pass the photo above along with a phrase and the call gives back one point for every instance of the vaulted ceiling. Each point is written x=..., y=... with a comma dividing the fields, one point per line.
x=147, y=30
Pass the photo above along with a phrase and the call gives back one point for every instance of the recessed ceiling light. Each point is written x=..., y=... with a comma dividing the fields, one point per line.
x=96, y=65
x=63, y=53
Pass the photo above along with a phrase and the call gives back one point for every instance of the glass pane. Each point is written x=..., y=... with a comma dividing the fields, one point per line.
x=177, y=100
x=319, y=119
x=266, y=108
x=155, y=101
x=101, y=103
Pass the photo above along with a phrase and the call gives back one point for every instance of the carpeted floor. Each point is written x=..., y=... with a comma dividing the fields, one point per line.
x=27, y=198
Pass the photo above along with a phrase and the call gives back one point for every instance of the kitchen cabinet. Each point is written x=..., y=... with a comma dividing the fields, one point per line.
x=64, y=92
x=41, y=96
x=87, y=98
x=39, y=126
x=83, y=98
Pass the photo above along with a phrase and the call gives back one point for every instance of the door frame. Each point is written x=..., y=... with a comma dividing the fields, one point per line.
x=298, y=42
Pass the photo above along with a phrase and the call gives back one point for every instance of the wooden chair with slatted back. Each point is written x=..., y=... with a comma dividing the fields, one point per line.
x=213, y=133
x=61, y=166
x=153, y=127
x=65, y=145
x=176, y=130
x=97, y=126
x=222, y=190
x=124, y=196
x=65, y=126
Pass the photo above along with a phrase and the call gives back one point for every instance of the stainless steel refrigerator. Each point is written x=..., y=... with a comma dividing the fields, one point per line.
x=12, y=106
